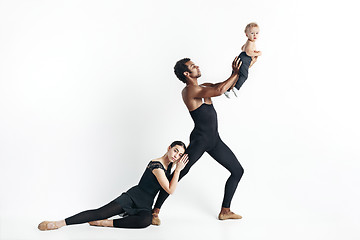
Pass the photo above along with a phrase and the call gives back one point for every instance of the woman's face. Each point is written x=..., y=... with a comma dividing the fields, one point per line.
x=175, y=153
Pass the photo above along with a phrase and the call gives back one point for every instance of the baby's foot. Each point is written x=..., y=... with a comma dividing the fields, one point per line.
x=227, y=94
x=236, y=92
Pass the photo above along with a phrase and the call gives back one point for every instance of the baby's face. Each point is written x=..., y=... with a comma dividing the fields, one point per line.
x=253, y=33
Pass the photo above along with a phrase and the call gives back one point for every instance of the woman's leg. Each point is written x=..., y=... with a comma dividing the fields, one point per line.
x=140, y=220
x=111, y=209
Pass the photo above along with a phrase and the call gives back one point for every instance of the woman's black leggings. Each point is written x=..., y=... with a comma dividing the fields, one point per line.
x=140, y=220
x=223, y=155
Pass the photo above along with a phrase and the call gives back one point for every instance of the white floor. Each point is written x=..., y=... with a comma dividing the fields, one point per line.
x=285, y=206
x=199, y=225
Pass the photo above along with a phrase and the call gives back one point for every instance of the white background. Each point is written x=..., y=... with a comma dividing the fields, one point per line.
x=88, y=97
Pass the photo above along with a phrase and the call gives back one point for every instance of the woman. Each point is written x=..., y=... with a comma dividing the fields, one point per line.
x=137, y=202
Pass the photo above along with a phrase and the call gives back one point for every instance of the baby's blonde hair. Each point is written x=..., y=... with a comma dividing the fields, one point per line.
x=250, y=25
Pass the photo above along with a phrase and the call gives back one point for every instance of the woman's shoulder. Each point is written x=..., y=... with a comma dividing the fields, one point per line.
x=154, y=164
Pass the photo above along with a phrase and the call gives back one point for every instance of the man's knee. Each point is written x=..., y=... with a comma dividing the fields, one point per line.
x=237, y=172
x=185, y=171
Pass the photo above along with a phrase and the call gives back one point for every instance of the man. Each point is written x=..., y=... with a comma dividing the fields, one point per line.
x=205, y=136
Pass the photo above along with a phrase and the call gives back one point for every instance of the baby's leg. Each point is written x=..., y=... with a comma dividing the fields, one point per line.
x=242, y=78
x=244, y=70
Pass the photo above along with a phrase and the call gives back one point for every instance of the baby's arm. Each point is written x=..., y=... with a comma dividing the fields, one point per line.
x=250, y=50
x=253, y=60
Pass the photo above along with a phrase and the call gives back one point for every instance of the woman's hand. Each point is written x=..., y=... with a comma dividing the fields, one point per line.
x=182, y=162
x=170, y=187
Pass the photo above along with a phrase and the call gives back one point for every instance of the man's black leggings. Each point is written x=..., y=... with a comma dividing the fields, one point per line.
x=223, y=155
x=140, y=220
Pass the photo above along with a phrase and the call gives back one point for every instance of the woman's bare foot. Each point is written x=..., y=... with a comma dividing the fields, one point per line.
x=225, y=214
x=102, y=223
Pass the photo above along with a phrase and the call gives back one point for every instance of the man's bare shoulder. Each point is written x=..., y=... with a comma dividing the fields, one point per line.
x=185, y=91
x=190, y=91
x=207, y=85
x=191, y=88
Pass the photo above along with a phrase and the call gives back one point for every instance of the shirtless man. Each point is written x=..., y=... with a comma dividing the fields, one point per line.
x=205, y=136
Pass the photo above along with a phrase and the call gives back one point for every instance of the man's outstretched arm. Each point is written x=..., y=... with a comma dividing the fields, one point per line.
x=212, y=90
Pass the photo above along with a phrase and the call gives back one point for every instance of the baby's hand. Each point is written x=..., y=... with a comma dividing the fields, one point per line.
x=253, y=60
x=182, y=162
x=258, y=52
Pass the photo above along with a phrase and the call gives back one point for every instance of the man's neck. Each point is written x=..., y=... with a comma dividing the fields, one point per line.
x=192, y=82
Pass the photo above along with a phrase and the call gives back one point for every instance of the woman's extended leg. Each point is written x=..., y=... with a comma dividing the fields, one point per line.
x=109, y=210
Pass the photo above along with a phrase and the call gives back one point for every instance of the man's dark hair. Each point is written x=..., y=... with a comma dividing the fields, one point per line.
x=180, y=68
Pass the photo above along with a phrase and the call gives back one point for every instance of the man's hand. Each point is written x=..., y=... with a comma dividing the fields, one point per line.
x=236, y=65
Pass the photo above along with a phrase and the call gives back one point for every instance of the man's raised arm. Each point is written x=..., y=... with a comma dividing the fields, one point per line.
x=213, y=90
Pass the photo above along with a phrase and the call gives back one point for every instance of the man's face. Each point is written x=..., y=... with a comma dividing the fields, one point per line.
x=253, y=34
x=194, y=70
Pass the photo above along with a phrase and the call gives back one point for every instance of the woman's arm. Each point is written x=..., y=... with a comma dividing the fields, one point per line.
x=170, y=187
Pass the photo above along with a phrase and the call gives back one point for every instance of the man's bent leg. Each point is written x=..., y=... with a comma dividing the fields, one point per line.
x=223, y=155
x=195, y=151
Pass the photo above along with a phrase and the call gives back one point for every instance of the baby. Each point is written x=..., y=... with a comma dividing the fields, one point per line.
x=248, y=57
